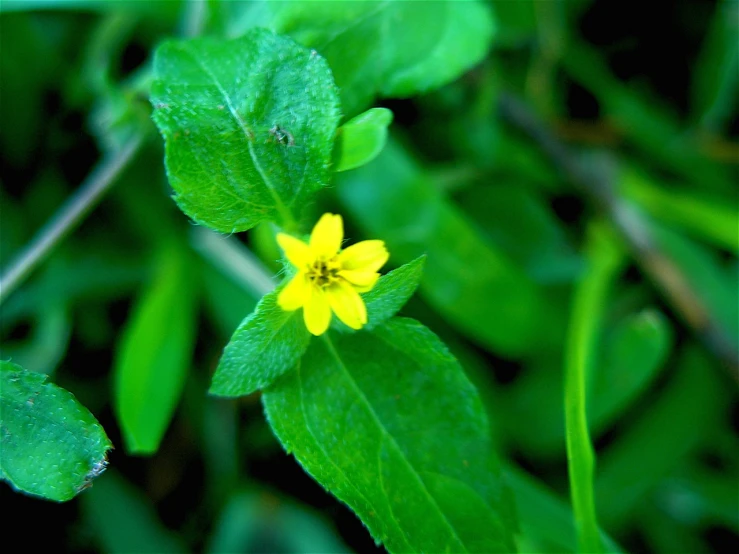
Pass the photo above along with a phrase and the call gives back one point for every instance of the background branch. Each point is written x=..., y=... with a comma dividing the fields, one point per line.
x=67, y=217
x=598, y=184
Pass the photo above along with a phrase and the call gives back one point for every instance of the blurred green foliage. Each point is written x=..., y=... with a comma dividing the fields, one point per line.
x=131, y=312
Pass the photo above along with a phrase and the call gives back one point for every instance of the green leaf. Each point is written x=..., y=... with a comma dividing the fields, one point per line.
x=521, y=223
x=168, y=10
x=387, y=421
x=46, y=344
x=362, y=138
x=715, y=82
x=268, y=343
x=389, y=295
x=649, y=123
x=252, y=521
x=50, y=445
x=677, y=422
x=155, y=351
x=124, y=520
x=471, y=283
x=392, y=291
x=633, y=356
x=249, y=126
x=712, y=219
x=388, y=48
x=547, y=524
x=630, y=356
x=517, y=21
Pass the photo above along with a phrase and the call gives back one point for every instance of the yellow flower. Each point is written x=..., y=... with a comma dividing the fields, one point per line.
x=329, y=278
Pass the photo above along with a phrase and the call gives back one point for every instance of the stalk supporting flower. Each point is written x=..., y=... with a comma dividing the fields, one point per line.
x=328, y=278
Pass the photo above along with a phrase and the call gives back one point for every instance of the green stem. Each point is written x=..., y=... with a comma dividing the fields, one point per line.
x=67, y=217
x=583, y=333
x=233, y=259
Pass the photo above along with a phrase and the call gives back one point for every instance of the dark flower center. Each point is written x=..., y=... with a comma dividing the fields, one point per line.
x=324, y=272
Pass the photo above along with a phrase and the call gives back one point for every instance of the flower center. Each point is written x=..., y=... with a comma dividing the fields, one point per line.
x=324, y=272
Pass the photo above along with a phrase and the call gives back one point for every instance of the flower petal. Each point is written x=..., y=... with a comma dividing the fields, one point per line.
x=316, y=311
x=360, y=278
x=368, y=255
x=294, y=294
x=325, y=240
x=296, y=251
x=347, y=304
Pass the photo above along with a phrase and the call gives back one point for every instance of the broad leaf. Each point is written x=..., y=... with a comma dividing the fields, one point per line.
x=387, y=421
x=466, y=278
x=155, y=352
x=383, y=48
x=249, y=126
x=50, y=445
x=362, y=138
x=268, y=343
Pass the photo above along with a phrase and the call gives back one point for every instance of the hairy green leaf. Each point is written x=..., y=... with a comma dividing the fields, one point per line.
x=465, y=278
x=387, y=421
x=362, y=138
x=154, y=355
x=268, y=343
x=50, y=445
x=249, y=126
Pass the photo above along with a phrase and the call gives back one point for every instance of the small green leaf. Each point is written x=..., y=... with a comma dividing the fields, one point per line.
x=388, y=422
x=268, y=343
x=155, y=353
x=249, y=126
x=392, y=291
x=633, y=356
x=362, y=138
x=389, y=295
x=50, y=445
